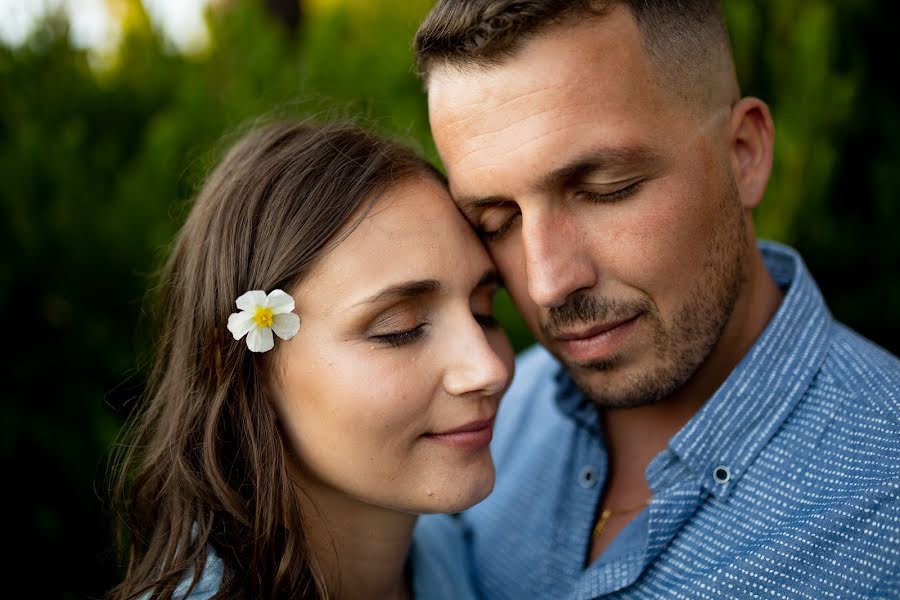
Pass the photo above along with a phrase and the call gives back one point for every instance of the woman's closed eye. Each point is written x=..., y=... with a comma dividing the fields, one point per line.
x=401, y=338
x=488, y=321
x=400, y=325
x=483, y=298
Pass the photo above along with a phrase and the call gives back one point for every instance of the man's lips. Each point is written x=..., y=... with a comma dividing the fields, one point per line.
x=474, y=434
x=596, y=343
x=592, y=331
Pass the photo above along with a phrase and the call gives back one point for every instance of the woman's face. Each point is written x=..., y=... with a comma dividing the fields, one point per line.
x=389, y=390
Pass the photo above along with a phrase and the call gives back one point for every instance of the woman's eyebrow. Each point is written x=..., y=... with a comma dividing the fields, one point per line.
x=404, y=290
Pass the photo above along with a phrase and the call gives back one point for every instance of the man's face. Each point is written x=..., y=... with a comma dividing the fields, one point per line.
x=609, y=207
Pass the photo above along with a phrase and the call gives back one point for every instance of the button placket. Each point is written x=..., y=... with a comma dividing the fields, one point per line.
x=721, y=474
x=588, y=477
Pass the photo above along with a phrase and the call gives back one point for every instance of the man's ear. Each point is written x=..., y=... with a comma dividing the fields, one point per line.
x=752, y=136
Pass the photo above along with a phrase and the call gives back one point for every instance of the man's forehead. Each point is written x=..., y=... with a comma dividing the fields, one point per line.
x=579, y=162
x=471, y=105
x=555, y=81
x=523, y=142
x=549, y=59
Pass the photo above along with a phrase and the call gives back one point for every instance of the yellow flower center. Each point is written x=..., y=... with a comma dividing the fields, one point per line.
x=263, y=316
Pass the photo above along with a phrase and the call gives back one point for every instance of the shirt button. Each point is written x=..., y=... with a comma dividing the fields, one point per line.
x=588, y=477
x=722, y=474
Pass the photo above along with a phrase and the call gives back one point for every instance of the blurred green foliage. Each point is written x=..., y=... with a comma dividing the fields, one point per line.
x=97, y=165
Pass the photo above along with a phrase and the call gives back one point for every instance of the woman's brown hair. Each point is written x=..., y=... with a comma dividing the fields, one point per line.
x=204, y=461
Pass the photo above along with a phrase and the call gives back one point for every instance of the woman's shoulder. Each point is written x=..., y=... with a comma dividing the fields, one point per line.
x=209, y=583
x=441, y=563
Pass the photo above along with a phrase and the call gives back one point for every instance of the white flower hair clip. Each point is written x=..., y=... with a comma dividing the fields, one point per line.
x=261, y=315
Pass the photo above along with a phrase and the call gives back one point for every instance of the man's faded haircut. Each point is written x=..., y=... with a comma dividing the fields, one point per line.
x=686, y=40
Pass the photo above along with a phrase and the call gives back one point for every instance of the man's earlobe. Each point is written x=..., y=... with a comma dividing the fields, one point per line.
x=752, y=139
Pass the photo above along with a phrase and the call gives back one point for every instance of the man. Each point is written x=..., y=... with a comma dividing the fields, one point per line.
x=696, y=425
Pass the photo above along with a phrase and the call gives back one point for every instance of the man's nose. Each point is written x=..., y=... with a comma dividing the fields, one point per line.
x=557, y=263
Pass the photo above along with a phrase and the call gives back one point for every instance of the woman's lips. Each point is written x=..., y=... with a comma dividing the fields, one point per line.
x=472, y=435
x=596, y=343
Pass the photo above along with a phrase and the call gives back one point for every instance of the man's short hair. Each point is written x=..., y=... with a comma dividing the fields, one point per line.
x=685, y=39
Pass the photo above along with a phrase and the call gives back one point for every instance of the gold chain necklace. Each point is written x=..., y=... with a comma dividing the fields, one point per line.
x=606, y=513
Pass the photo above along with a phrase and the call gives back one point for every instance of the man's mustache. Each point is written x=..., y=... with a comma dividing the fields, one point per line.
x=582, y=309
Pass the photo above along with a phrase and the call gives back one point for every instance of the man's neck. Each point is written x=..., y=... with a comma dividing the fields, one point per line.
x=634, y=436
x=361, y=548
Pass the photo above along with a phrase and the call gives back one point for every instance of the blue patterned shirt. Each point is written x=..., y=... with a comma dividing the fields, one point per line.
x=786, y=483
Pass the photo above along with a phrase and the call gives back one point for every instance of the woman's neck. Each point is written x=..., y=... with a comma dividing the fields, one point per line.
x=361, y=548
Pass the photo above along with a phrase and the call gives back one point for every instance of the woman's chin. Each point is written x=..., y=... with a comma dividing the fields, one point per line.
x=459, y=495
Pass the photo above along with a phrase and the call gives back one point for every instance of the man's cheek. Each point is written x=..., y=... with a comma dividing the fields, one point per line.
x=509, y=257
x=517, y=286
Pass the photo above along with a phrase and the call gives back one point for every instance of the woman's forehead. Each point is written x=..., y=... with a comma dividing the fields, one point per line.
x=412, y=232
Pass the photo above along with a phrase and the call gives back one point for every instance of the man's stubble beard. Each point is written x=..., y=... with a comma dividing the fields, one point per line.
x=682, y=347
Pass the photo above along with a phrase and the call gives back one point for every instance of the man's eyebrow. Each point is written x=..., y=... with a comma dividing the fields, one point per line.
x=597, y=159
x=403, y=290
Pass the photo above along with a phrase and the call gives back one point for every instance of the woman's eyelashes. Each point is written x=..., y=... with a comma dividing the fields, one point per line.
x=399, y=325
x=404, y=337
x=401, y=338
x=487, y=321
x=482, y=306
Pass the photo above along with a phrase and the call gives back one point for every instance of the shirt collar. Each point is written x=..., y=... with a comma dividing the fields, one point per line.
x=730, y=430
x=574, y=404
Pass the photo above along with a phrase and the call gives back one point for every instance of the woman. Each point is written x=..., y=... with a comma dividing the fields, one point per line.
x=293, y=465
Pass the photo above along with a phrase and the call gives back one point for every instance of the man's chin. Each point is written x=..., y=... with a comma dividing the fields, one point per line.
x=602, y=366
x=611, y=384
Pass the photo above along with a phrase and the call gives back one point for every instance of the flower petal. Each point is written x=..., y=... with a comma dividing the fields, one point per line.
x=240, y=324
x=280, y=302
x=251, y=300
x=260, y=339
x=286, y=326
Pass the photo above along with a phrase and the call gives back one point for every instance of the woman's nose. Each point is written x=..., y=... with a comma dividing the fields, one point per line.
x=476, y=366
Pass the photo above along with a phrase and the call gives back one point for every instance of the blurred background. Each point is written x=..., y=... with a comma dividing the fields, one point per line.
x=111, y=111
